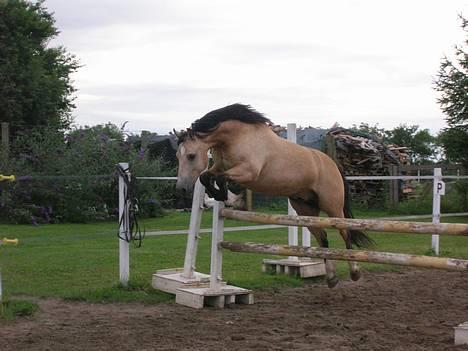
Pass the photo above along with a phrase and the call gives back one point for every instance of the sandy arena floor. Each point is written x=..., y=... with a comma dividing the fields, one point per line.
x=413, y=310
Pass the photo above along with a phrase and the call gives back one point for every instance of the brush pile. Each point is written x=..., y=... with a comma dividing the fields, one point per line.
x=361, y=154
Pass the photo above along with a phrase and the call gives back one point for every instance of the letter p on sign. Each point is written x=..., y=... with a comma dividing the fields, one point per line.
x=441, y=188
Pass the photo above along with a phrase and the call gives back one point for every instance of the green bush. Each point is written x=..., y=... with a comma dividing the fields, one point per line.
x=454, y=200
x=55, y=176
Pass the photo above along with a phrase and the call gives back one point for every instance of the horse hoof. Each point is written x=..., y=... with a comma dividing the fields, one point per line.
x=220, y=197
x=332, y=282
x=355, y=275
x=205, y=179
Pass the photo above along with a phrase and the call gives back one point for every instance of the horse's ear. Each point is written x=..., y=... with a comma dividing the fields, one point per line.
x=177, y=134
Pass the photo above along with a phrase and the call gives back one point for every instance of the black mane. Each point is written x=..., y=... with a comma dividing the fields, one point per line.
x=209, y=122
x=237, y=112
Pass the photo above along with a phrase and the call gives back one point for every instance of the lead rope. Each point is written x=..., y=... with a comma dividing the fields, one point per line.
x=134, y=232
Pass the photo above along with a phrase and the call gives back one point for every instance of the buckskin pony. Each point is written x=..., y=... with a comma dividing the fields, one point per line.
x=246, y=151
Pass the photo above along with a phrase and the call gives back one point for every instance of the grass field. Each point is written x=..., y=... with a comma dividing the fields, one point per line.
x=80, y=261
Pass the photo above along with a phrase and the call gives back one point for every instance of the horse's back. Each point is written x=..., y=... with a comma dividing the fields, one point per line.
x=284, y=168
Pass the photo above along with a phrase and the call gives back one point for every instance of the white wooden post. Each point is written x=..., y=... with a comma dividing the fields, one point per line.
x=306, y=237
x=194, y=229
x=217, y=236
x=292, y=231
x=124, y=246
x=438, y=190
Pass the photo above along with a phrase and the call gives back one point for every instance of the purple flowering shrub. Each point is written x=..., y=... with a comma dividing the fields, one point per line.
x=56, y=176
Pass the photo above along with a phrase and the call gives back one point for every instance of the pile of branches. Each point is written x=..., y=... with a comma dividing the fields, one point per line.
x=361, y=154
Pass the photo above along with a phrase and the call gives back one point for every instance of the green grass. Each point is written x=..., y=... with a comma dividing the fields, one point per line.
x=10, y=309
x=80, y=261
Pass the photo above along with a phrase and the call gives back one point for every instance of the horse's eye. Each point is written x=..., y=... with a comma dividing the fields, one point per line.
x=191, y=157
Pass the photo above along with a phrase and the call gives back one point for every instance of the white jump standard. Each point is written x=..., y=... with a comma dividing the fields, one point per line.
x=218, y=293
x=169, y=280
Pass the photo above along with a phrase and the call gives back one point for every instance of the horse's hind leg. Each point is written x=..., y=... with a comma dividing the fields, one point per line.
x=330, y=268
x=346, y=235
x=304, y=208
x=353, y=266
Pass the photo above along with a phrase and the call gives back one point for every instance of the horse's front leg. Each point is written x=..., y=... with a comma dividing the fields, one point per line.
x=210, y=180
x=241, y=174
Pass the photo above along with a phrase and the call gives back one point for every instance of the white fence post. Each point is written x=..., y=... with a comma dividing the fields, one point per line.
x=438, y=190
x=124, y=246
x=306, y=237
x=194, y=230
x=217, y=236
x=292, y=231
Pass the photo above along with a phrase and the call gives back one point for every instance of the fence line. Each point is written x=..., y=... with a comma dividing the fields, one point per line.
x=439, y=189
x=402, y=177
x=347, y=177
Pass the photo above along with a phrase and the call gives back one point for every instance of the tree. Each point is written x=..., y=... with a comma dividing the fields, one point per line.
x=57, y=182
x=35, y=84
x=419, y=141
x=366, y=128
x=452, y=83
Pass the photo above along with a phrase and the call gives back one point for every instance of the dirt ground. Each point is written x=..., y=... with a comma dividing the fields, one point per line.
x=412, y=310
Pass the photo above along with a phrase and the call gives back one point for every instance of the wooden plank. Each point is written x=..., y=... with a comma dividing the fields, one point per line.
x=461, y=334
x=450, y=264
x=205, y=296
x=350, y=223
x=331, y=147
x=5, y=134
x=249, y=200
x=394, y=186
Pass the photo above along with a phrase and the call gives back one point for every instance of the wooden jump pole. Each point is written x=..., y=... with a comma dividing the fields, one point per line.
x=450, y=264
x=350, y=223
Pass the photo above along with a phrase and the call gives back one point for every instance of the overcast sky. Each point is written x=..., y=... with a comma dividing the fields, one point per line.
x=162, y=64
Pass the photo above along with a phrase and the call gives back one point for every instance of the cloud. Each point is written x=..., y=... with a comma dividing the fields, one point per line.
x=163, y=63
x=86, y=14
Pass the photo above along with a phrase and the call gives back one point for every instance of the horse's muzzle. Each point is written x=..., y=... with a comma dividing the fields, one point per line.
x=184, y=185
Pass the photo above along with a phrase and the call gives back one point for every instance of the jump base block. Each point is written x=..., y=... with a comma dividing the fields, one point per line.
x=299, y=268
x=461, y=334
x=169, y=280
x=203, y=297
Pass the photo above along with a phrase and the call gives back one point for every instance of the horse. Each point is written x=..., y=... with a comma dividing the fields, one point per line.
x=246, y=151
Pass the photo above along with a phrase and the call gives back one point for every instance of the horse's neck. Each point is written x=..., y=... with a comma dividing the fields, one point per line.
x=234, y=141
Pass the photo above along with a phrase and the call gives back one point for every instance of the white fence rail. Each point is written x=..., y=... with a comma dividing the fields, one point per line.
x=403, y=177
x=347, y=178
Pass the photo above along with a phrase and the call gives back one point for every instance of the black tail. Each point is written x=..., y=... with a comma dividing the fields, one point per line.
x=358, y=238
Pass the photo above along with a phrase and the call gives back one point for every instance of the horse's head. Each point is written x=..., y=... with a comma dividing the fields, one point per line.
x=193, y=159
